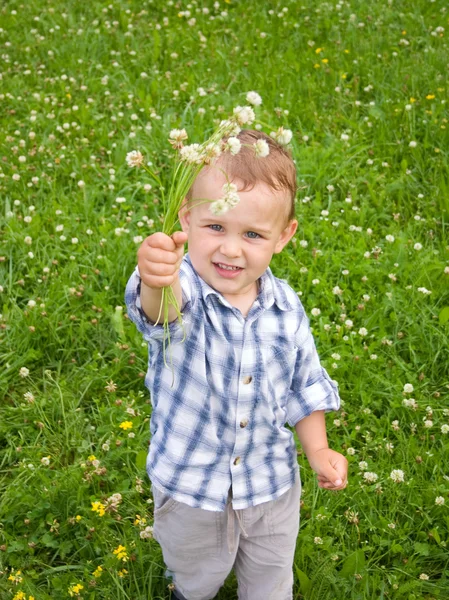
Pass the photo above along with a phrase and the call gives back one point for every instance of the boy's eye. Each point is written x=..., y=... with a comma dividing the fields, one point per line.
x=253, y=235
x=215, y=227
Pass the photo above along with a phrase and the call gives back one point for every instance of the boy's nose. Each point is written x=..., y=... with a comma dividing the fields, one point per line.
x=230, y=248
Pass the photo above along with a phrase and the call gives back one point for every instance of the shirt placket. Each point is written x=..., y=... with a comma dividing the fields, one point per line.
x=245, y=402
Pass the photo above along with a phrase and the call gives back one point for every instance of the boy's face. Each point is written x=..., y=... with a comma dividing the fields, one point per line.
x=246, y=236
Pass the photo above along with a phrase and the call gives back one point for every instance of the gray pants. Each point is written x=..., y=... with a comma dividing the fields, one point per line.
x=200, y=547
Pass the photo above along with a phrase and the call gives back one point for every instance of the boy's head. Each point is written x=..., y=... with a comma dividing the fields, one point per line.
x=231, y=251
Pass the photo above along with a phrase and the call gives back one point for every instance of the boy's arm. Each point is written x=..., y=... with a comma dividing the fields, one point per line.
x=159, y=258
x=330, y=466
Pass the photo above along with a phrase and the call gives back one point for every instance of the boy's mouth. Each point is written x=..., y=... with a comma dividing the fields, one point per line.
x=228, y=271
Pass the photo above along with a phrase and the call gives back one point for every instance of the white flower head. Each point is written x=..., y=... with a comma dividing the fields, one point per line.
x=177, y=137
x=254, y=98
x=192, y=154
x=134, y=159
x=397, y=475
x=233, y=145
x=408, y=388
x=244, y=115
x=282, y=136
x=226, y=202
x=261, y=148
x=211, y=152
x=230, y=127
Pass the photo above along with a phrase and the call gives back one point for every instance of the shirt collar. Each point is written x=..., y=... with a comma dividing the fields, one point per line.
x=270, y=290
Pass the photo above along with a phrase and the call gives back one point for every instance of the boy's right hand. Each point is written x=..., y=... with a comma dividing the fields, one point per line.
x=159, y=258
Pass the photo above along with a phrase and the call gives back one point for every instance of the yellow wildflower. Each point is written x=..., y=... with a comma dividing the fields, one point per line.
x=126, y=425
x=78, y=518
x=412, y=100
x=325, y=60
x=316, y=66
x=121, y=553
x=122, y=573
x=98, y=507
x=98, y=572
x=318, y=50
x=91, y=458
x=20, y=596
x=430, y=96
x=75, y=589
x=15, y=576
x=346, y=51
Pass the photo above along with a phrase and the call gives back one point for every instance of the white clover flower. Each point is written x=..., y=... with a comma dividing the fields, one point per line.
x=444, y=429
x=389, y=238
x=282, y=136
x=397, y=475
x=417, y=246
x=303, y=243
x=45, y=460
x=244, y=115
x=363, y=331
x=424, y=576
x=344, y=137
x=233, y=144
x=317, y=540
x=370, y=477
x=363, y=465
x=337, y=290
x=254, y=98
x=177, y=137
x=230, y=127
x=349, y=323
x=408, y=388
x=120, y=200
x=228, y=201
x=351, y=451
x=413, y=144
x=315, y=312
x=211, y=151
x=192, y=154
x=439, y=500
x=81, y=183
x=28, y=240
x=424, y=291
x=24, y=372
x=134, y=159
x=428, y=423
x=261, y=148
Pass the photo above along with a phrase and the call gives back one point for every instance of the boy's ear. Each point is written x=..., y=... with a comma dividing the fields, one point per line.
x=286, y=236
x=184, y=216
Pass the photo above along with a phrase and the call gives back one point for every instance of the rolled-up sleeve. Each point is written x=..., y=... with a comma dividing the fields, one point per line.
x=137, y=315
x=312, y=389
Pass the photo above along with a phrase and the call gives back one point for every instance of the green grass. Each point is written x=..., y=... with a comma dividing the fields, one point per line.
x=391, y=75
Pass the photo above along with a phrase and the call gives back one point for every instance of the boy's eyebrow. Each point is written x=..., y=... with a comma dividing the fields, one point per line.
x=216, y=220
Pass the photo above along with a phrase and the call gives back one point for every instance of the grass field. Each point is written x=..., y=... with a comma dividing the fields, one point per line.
x=363, y=86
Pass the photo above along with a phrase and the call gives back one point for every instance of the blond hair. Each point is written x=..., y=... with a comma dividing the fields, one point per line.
x=277, y=170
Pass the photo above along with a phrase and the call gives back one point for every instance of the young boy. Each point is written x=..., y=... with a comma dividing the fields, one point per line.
x=223, y=465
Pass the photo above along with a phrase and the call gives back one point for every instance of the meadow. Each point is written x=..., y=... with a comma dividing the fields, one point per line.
x=363, y=87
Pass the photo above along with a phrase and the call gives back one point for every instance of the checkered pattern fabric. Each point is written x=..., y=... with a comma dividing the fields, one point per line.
x=223, y=395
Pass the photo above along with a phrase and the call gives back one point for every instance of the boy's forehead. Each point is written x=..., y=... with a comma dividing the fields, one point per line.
x=260, y=197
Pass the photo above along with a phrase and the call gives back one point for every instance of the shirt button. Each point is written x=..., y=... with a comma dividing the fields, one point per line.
x=247, y=379
x=243, y=423
x=237, y=460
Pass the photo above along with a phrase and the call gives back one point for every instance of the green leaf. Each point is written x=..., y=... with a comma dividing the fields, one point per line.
x=353, y=564
x=304, y=582
x=443, y=317
x=421, y=548
x=141, y=459
x=436, y=535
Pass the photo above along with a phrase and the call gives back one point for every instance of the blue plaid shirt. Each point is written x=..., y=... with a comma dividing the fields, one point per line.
x=220, y=407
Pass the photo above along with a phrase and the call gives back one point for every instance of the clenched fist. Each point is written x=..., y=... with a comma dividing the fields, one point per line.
x=159, y=258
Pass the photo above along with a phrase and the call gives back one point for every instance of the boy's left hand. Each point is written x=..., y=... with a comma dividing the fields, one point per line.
x=331, y=468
